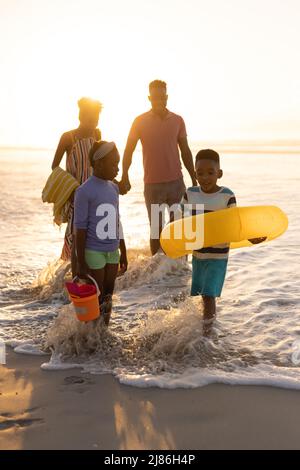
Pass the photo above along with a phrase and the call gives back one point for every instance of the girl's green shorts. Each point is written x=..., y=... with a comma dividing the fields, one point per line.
x=99, y=259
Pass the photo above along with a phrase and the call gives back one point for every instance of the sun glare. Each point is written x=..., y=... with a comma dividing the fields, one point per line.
x=227, y=80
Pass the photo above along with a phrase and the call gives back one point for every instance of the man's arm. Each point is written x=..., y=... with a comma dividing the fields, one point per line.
x=62, y=147
x=187, y=158
x=124, y=185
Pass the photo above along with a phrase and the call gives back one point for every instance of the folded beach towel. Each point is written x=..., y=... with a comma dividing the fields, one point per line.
x=59, y=187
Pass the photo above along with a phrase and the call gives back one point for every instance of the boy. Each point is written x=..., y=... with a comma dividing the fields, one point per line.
x=209, y=264
x=97, y=224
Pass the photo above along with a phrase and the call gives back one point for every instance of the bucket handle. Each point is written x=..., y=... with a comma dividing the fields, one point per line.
x=92, y=279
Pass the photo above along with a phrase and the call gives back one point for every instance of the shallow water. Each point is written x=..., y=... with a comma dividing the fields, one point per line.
x=155, y=336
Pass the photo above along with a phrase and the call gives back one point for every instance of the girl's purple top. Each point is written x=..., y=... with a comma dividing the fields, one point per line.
x=97, y=211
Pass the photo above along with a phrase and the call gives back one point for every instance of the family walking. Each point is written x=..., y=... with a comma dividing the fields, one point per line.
x=93, y=165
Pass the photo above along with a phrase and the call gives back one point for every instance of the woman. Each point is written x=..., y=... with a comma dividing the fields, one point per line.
x=77, y=144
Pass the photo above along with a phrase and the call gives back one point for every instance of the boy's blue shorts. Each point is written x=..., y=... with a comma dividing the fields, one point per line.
x=208, y=276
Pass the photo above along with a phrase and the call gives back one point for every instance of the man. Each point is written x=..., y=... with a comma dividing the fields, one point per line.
x=161, y=133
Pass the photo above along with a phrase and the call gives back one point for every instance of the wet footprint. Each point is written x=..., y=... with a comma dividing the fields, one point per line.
x=75, y=379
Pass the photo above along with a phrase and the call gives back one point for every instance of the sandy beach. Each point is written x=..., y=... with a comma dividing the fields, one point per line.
x=116, y=116
x=71, y=410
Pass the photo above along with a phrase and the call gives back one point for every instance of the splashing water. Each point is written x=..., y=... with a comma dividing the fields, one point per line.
x=165, y=345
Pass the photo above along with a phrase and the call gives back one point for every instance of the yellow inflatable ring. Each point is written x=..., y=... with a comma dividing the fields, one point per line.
x=235, y=226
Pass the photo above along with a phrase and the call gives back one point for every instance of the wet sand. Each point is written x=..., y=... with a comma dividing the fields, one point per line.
x=71, y=410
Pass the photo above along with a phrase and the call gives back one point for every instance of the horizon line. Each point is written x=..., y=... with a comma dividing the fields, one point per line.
x=228, y=145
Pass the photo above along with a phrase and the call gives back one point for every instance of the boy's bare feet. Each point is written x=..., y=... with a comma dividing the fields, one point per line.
x=208, y=324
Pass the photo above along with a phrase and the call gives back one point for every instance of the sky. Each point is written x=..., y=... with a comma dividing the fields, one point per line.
x=232, y=66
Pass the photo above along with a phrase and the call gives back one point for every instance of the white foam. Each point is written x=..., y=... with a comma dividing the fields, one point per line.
x=56, y=363
x=26, y=347
x=29, y=349
x=193, y=378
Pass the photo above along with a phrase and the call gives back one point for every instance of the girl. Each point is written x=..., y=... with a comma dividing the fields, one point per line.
x=96, y=222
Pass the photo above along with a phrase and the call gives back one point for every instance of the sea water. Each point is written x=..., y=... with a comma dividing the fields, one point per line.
x=156, y=334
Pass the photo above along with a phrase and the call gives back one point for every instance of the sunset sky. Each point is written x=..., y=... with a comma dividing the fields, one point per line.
x=232, y=66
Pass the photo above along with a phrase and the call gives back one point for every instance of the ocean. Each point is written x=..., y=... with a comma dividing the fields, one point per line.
x=155, y=337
